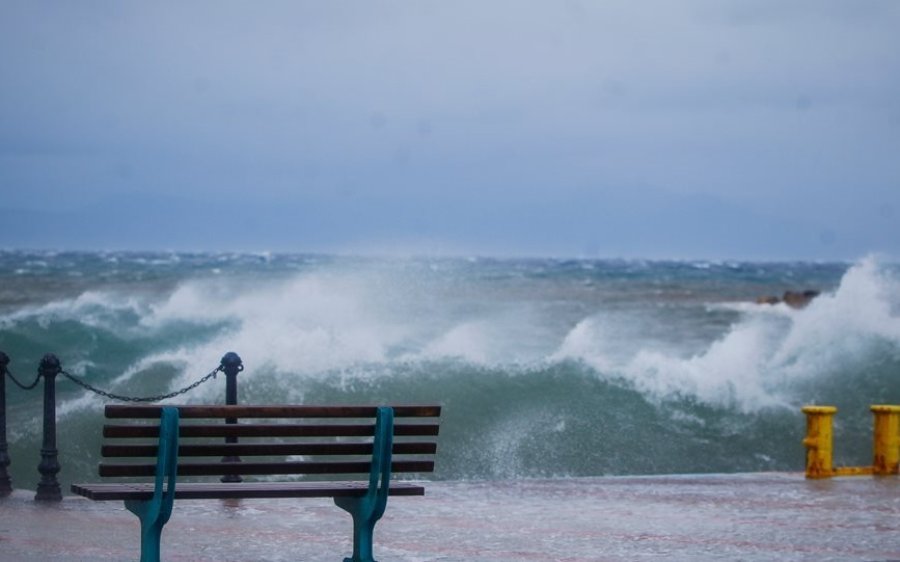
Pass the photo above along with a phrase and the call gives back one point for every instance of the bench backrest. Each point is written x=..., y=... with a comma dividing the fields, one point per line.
x=319, y=441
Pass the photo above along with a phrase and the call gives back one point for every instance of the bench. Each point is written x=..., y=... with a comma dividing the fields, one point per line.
x=321, y=451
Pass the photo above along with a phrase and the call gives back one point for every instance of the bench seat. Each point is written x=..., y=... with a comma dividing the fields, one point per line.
x=244, y=490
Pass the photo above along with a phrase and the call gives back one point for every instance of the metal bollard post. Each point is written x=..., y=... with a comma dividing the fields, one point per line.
x=887, y=439
x=5, y=482
x=231, y=365
x=48, y=488
x=818, y=441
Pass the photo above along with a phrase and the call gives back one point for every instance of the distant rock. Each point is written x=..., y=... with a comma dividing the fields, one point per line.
x=794, y=299
x=799, y=300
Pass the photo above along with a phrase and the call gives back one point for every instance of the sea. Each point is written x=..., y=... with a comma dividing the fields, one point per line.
x=546, y=368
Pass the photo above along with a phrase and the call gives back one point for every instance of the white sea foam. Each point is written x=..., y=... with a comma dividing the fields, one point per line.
x=590, y=342
x=310, y=324
x=497, y=338
x=331, y=321
x=316, y=324
x=754, y=363
x=96, y=309
x=470, y=341
x=838, y=328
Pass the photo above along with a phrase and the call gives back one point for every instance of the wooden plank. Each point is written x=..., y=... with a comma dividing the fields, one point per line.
x=200, y=490
x=271, y=411
x=268, y=449
x=270, y=430
x=416, y=429
x=264, y=468
x=244, y=430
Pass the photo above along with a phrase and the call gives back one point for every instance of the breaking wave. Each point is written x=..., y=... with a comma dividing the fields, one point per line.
x=545, y=368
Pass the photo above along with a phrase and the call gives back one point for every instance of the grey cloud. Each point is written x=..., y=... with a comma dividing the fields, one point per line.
x=415, y=117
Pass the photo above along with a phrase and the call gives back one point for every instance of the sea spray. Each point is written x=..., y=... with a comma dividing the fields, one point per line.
x=544, y=367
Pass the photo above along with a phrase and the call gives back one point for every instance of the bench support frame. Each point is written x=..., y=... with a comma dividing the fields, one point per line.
x=366, y=509
x=155, y=512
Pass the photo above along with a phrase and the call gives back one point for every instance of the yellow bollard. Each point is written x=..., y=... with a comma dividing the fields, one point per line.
x=887, y=439
x=818, y=441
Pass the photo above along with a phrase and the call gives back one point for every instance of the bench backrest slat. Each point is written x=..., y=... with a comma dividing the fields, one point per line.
x=276, y=440
x=269, y=430
x=280, y=411
x=261, y=468
x=269, y=449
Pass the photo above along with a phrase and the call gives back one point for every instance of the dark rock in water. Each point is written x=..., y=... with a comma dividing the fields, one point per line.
x=797, y=299
x=794, y=299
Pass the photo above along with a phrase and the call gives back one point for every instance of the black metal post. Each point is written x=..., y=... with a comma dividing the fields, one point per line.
x=48, y=488
x=5, y=482
x=231, y=365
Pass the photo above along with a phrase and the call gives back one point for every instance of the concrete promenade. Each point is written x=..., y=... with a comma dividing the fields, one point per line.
x=749, y=517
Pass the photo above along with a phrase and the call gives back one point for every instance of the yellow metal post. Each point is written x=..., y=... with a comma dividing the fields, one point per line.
x=818, y=441
x=887, y=439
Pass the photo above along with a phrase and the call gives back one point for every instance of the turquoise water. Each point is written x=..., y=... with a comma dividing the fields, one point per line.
x=544, y=367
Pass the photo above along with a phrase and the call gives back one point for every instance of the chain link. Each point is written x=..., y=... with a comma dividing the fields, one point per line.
x=122, y=398
x=23, y=386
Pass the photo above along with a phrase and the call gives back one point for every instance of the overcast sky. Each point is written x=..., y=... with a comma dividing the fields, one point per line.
x=657, y=129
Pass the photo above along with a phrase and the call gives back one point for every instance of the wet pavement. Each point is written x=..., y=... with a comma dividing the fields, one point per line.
x=752, y=517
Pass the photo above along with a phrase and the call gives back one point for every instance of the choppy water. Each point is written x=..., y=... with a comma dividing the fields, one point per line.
x=545, y=367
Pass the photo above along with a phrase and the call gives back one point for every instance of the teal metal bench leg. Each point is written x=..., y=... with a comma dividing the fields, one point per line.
x=154, y=513
x=363, y=528
x=151, y=529
x=367, y=510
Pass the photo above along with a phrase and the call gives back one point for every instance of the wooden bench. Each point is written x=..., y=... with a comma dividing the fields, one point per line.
x=327, y=450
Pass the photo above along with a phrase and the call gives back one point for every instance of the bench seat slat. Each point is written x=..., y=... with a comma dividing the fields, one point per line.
x=258, y=468
x=273, y=411
x=268, y=449
x=269, y=430
x=211, y=490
